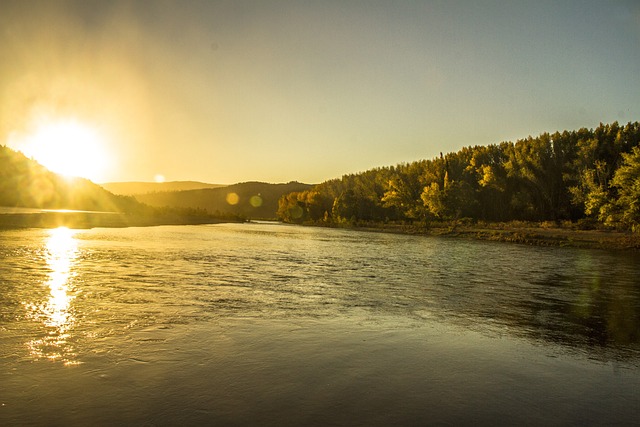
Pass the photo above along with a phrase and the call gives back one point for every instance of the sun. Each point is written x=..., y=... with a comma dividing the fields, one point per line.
x=68, y=147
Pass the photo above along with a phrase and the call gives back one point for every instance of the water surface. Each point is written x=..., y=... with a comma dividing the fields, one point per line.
x=268, y=324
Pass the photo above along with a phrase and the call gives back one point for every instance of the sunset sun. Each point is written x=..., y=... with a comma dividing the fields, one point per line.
x=68, y=147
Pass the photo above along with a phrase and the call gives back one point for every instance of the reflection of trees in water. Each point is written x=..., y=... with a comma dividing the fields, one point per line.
x=592, y=309
x=602, y=313
x=56, y=313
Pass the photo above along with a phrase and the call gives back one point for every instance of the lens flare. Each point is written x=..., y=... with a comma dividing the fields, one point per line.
x=233, y=198
x=255, y=201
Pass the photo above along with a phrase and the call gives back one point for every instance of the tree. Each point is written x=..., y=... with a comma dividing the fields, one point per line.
x=291, y=207
x=455, y=199
x=488, y=166
x=627, y=181
x=404, y=189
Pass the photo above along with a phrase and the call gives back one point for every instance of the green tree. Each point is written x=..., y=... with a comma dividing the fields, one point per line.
x=291, y=207
x=627, y=181
x=599, y=155
x=488, y=165
x=455, y=199
x=404, y=189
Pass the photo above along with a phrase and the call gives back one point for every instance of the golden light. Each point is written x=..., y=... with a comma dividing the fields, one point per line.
x=68, y=147
x=62, y=252
x=55, y=313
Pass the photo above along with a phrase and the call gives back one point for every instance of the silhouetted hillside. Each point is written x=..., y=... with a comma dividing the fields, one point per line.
x=134, y=188
x=253, y=200
x=26, y=183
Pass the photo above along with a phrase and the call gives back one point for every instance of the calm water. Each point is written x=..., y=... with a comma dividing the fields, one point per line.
x=267, y=324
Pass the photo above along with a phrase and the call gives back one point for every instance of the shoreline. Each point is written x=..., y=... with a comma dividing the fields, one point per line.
x=86, y=220
x=533, y=234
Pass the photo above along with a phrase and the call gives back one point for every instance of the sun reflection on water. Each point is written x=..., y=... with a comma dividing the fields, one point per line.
x=55, y=313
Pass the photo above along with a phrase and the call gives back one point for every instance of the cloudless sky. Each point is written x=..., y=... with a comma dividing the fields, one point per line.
x=230, y=91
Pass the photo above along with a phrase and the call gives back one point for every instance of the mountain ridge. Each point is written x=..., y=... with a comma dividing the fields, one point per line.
x=133, y=188
x=250, y=199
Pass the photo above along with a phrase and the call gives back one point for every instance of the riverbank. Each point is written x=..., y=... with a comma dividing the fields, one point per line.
x=529, y=233
x=85, y=220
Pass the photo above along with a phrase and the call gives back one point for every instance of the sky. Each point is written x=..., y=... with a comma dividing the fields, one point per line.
x=276, y=91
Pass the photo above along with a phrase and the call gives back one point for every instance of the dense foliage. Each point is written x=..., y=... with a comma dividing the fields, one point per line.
x=588, y=175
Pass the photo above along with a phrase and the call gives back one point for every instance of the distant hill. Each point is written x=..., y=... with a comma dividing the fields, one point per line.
x=253, y=200
x=26, y=183
x=135, y=188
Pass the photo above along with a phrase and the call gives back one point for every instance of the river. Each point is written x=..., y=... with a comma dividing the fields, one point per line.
x=271, y=324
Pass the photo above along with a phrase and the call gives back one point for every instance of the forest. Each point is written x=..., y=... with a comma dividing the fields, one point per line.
x=590, y=177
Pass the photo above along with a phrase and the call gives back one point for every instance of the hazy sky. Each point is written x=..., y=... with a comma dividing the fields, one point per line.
x=229, y=91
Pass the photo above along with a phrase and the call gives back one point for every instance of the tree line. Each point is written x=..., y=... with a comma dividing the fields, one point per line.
x=590, y=175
